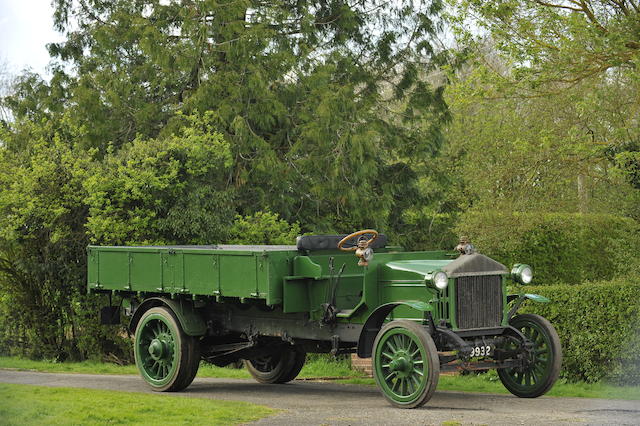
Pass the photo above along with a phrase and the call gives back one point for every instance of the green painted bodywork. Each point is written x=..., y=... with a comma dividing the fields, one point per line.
x=193, y=271
x=280, y=277
x=519, y=299
x=536, y=298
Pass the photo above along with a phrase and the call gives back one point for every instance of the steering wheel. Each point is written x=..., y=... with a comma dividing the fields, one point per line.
x=363, y=244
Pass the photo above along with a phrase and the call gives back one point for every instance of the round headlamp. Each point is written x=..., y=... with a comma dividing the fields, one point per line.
x=440, y=280
x=522, y=273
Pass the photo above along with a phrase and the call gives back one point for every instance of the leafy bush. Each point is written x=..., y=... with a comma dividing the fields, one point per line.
x=55, y=198
x=561, y=247
x=263, y=228
x=599, y=327
x=165, y=190
x=42, y=244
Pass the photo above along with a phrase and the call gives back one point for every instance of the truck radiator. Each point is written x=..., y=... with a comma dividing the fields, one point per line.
x=479, y=301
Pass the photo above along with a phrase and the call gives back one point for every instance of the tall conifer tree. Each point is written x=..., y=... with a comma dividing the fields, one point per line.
x=322, y=101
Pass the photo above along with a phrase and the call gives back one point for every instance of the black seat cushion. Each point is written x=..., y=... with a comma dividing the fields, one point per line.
x=330, y=242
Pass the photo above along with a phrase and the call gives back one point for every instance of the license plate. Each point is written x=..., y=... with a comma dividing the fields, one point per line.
x=481, y=351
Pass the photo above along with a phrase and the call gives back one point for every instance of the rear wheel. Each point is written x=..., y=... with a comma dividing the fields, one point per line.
x=296, y=367
x=194, y=362
x=280, y=367
x=405, y=364
x=543, y=368
x=166, y=357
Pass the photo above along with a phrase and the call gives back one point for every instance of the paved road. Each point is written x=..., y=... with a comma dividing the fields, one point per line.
x=315, y=403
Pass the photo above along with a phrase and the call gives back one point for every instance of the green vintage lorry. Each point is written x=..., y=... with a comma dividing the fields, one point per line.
x=415, y=314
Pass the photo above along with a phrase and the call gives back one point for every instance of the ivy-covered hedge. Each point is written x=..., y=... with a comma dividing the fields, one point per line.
x=599, y=327
x=561, y=247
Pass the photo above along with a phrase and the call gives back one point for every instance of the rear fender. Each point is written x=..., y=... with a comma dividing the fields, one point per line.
x=374, y=323
x=191, y=322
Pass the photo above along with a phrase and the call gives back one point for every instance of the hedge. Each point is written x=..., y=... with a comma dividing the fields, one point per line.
x=599, y=327
x=561, y=247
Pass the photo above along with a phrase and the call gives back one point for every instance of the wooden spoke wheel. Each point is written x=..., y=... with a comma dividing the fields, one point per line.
x=166, y=357
x=281, y=367
x=543, y=367
x=406, y=366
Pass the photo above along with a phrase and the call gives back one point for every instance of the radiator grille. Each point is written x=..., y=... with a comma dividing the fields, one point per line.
x=479, y=301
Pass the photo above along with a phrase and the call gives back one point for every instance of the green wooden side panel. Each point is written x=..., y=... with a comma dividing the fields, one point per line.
x=243, y=273
x=168, y=272
x=278, y=266
x=113, y=270
x=179, y=284
x=216, y=273
x=317, y=296
x=200, y=277
x=262, y=276
x=238, y=277
x=172, y=273
x=93, y=280
x=296, y=295
x=145, y=271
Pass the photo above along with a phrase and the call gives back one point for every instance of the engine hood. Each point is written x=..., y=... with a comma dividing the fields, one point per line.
x=465, y=265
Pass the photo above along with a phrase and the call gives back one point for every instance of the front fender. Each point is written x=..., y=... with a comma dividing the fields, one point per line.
x=373, y=324
x=520, y=299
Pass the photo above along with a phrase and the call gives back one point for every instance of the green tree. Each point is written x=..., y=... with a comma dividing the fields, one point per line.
x=166, y=190
x=546, y=153
x=551, y=95
x=263, y=228
x=299, y=89
x=42, y=244
x=558, y=41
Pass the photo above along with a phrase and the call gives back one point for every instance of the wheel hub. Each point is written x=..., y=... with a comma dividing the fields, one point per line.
x=157, y=349
x=401, y=364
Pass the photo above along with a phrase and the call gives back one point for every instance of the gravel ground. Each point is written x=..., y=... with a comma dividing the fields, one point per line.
x=323, y=403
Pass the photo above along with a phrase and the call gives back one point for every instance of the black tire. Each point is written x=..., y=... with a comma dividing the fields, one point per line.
x=173, y=367
x=405, y=358
x=296, y=367
x=540, y=376
x=276, y=368
x=194, y=363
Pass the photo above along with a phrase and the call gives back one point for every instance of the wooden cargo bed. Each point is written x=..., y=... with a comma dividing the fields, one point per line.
x=227, y=270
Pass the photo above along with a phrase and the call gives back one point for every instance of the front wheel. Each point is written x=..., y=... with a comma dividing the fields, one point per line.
x=543, y=366
x=166, y=357
x=406, y=366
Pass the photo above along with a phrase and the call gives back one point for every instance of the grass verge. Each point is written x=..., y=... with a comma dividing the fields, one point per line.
x=36, y=405
x=322, y=366
x=316, y=366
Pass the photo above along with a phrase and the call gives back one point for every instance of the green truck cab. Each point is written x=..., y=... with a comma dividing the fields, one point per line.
x=415, y=314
